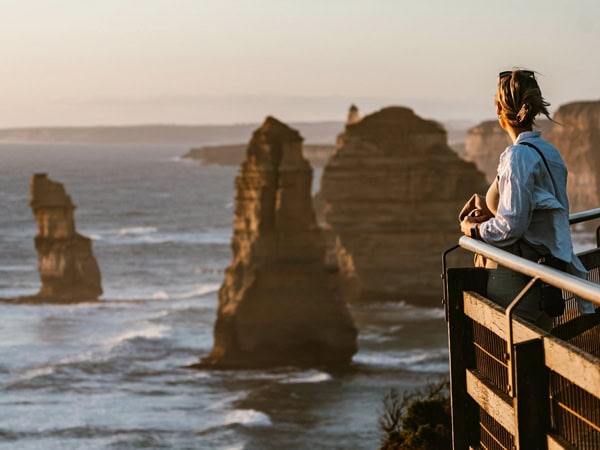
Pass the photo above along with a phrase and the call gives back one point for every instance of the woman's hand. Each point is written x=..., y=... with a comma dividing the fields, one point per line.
x=471, y=220
x=475, y=203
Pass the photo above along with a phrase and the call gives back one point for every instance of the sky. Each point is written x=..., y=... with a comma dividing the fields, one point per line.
x=119, y=62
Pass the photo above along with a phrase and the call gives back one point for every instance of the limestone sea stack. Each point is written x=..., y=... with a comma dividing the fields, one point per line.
x=391, y=194
x=278, y=304
x=577, y=137
x=353, y=115
x=68, y=269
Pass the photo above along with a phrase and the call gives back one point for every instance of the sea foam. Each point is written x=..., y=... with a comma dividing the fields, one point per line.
x=35, y=372
x=310, y=376
x=248, y=418
x=137, y=231
x=17, y=268
x=198, y=291
x=416, y=360
x=149, y=331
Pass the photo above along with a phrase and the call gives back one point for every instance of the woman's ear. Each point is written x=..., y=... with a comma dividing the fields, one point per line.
x=498, y=108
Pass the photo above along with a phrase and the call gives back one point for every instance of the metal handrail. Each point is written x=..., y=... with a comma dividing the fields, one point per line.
x=510, y=309
x=584, y=216
x=567, y=282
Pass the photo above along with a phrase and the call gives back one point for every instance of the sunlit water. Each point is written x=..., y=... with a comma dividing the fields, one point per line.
x=109, y=375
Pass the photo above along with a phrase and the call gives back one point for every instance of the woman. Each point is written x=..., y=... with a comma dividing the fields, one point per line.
x=527, y=207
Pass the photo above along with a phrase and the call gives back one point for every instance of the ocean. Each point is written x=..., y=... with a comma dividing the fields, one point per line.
x=110, y=375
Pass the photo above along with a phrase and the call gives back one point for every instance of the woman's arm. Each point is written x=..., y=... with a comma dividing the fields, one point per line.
x=515, y=207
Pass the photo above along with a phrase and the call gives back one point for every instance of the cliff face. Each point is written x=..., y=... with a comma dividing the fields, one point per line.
x=486, y=141
x=278, y=303
x=391, y=194
x=68, y=270
x=578, y=139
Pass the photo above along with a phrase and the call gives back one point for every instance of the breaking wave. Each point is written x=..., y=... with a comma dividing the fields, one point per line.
x=137, y=231
x=415, y=360
x=152, y=235
x=17, y=268
x=149, y=331
x=248, y=418
x=198, y=291
x=311, y=376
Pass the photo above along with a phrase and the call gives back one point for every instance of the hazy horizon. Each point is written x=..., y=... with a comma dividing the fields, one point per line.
x=256, y=120
x=213, y=63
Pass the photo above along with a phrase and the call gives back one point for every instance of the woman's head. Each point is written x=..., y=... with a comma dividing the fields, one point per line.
x=519, y=98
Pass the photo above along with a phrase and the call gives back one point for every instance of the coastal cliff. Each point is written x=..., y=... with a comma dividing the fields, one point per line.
x=68, y=269
x=483, y=146
x=487, y=140
x=390, y=196
x=278, y=304
x=577, y=136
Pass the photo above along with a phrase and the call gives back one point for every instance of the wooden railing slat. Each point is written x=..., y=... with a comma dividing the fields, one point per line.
x=491, y=316
x=494, y=402
x=574, y=364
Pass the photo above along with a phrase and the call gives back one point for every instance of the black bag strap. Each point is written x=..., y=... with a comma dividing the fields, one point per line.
x=529, y=144
x=539, y=152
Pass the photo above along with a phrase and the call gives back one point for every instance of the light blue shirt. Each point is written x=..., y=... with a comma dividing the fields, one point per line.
x=531, y=206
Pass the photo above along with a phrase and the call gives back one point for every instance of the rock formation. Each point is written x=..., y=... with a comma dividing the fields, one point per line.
x=486, y=141
x=278, y=303
x=234, y=155
x=577, y=136
x=68, y=270
x=353, y=115
x=391, y=193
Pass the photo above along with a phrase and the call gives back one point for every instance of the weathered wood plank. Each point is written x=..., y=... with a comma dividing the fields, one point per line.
x=491, y=316
x=573, y=363
x=493, y=401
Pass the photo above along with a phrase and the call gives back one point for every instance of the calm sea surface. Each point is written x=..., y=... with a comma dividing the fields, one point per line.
x=109, y=376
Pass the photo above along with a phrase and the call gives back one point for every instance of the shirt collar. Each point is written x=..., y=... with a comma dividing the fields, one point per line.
x=528, y=135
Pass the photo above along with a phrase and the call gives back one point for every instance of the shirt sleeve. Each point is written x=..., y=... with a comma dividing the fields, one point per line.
x=515, y=207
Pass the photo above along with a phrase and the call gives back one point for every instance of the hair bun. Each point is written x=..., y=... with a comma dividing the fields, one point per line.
x=523, y=113
x=520, y=98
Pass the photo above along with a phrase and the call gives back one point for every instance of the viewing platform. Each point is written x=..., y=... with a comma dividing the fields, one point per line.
x=514, y=385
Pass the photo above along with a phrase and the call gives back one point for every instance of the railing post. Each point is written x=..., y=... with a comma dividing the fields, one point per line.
x=509, y=332
x=465, y=413
x=532, y=405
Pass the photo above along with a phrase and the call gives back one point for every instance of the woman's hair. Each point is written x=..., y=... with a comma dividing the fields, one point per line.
x=520, y=98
